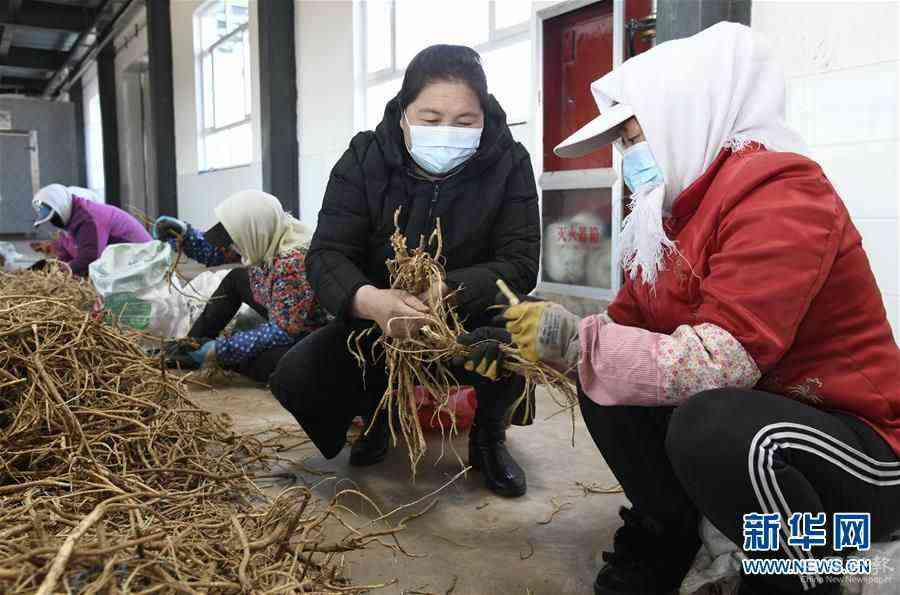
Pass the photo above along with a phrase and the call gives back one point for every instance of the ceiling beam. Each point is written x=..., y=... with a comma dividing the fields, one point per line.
x=109, y=20
x=55, y=16
x=78, y=3
x=9, y=10
x=15, y=84
x=10, y=15
x=30, y=58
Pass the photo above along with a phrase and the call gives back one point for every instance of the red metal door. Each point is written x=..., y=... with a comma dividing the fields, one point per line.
x=577, y=51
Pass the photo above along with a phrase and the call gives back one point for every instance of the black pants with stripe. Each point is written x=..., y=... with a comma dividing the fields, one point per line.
x=728, y=452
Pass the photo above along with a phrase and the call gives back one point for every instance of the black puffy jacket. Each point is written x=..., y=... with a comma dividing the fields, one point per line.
x=488, y=211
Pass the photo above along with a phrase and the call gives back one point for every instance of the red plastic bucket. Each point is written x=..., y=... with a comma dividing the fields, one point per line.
x=462, y=404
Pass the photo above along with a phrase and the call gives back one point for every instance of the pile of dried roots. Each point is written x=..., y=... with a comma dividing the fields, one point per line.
x=111, y=480
x=424, y=359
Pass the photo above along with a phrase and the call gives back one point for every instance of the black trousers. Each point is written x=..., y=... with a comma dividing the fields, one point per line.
x=321, y=384
x=233, y=291
x=728, y=452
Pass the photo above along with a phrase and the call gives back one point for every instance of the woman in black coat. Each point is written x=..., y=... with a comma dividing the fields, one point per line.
x=443, y=150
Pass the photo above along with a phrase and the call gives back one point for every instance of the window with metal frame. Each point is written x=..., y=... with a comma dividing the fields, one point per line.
x=222, y=49
x=395, y=30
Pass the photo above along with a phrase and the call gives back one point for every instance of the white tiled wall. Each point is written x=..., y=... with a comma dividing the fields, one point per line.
x=842, y=62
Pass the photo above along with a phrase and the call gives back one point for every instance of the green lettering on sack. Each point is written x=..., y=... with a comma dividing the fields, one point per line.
x=127, y=310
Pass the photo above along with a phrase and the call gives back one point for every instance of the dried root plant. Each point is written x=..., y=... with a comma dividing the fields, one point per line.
x=111, y=480
x=425, y=358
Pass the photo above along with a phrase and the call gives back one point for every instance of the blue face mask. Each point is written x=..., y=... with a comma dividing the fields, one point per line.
x=439, y=149
x=44, y=214
x=639, y=167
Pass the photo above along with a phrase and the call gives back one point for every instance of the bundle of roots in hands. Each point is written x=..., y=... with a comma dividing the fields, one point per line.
x=424, y=359
x=111, y=480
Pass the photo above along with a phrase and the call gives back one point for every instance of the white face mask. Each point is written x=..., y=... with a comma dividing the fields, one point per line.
x=439, y=149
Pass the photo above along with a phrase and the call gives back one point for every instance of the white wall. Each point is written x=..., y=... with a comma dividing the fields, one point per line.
x=841, y=61
x=199, y=192
x=325, y=90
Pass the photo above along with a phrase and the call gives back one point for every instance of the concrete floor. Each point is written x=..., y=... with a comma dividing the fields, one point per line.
x=474, y=540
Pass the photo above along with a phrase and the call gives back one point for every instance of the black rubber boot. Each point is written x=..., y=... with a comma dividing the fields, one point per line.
x=488, y=454
x=371, y=448
x=644, y=559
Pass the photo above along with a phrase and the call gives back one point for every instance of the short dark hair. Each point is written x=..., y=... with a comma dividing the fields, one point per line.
x=444, y=63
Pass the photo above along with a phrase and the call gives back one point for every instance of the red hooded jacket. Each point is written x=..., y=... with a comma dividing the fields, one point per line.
x=776, y=261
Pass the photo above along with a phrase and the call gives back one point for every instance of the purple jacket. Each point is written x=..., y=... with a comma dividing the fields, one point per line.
x=92, y=227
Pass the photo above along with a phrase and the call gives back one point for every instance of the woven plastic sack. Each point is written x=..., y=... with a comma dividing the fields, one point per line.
x=131, y=279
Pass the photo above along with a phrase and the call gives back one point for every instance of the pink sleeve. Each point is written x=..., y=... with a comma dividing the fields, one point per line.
x=622, y=365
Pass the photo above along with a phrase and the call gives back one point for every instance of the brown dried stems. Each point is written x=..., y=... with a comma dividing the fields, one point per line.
x=424, y=359
x=111, y=480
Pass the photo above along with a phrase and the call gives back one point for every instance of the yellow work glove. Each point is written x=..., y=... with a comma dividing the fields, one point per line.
x=544, y=331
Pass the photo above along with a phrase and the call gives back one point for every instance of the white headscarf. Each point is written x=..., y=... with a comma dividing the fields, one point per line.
x=85, y=193
x=693, y=97
x=58, y=198
x=259, y=226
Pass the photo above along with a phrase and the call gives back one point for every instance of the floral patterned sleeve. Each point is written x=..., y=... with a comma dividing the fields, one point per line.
x=622, y=365
x=196, y=247
x=293, y=309
x=292, y=303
